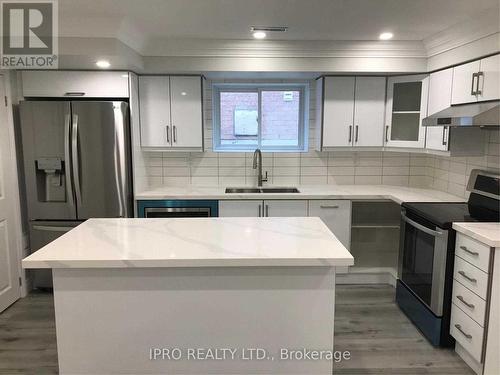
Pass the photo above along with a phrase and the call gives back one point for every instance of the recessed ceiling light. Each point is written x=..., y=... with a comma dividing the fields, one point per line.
x=103, y=64
x=259, y=34
x=386, y=36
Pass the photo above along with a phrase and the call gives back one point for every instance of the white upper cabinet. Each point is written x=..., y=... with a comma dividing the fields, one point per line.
x=338, y=111
x=489, y=79
x=154, y=94
x=464, y=83
x=440, y=83
x=406, y=107
x=476, y=81
x=352, y=111
x=69, y=84
x=369, y=107
x=185, y=96
x=171, y=113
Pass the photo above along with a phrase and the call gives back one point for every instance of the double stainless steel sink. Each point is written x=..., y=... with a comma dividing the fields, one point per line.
x=251, y=190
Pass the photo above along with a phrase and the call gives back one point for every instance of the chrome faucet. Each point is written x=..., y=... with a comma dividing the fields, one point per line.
x=257, y=163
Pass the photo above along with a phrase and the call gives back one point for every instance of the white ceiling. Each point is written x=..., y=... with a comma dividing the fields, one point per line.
x=137, y=22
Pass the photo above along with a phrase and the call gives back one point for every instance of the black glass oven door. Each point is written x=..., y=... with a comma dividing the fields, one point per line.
x=422, y=261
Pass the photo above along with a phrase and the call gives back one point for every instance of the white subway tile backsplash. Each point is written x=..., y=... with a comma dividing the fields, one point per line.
x=210, y=168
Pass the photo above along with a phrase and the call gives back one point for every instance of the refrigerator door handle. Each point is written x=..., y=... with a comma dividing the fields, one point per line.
x=120, y=159
x=67, y=160
x=76, y=160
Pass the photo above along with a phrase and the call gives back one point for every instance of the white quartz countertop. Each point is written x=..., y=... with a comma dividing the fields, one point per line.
x=193, y=242
x=398, y=194
x=487, y=233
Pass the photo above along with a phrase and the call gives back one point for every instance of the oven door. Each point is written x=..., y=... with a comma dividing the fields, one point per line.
x=422, y=260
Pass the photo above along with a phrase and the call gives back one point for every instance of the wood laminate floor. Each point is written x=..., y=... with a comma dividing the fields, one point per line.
x=368, y=324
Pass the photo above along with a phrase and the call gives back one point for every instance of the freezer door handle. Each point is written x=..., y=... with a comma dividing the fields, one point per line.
x=67, y=159
x=76, y=160
x=50, y=228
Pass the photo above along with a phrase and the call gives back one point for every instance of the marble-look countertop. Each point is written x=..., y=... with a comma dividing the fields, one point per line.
x=487, y=233
x=397, y=194
x=193, y=242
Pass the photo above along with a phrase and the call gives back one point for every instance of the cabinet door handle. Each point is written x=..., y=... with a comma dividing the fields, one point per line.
x=387, y=133
x=464, y=275
x=356, y=139
x=459, y=327
x=74, y=94
x=472, y=92
x=444, y=135
x=474, y=253
x=328, y=206
x=479, y=75
x=168, y=134
x=267, y=210
x=469, y=305
x=350, y=133
x=260, y=210
x=175, y=133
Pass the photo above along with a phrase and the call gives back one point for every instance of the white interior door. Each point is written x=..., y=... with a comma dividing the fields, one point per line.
x=154, y=101
x=338, y=111
x=187, y=123
x=369, y=111
x=9, y=271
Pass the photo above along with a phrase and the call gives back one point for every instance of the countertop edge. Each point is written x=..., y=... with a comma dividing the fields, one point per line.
x=459, y=227
x=188, y=263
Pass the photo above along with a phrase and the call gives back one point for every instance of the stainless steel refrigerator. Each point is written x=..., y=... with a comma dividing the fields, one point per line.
x=77, y=165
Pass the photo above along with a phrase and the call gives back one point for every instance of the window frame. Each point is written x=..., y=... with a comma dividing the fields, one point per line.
x=303, y=130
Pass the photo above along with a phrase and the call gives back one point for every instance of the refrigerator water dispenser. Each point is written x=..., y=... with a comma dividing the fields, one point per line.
x=50, y=180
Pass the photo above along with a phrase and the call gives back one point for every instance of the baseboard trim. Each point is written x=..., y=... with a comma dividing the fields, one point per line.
x=366, y=278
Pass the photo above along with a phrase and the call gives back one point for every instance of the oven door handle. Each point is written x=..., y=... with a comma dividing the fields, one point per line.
x=424, y=229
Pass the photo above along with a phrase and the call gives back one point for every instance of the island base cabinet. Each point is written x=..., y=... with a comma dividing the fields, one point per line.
x=162, y=320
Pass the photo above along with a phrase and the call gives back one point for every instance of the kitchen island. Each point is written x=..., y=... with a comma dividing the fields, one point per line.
x=199, y=295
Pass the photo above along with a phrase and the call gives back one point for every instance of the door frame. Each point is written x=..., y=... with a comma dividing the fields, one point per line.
x=19, y=232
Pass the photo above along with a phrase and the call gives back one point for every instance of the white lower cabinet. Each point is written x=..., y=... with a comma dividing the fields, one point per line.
x=475, y=309
x=240, y=208
x=336, y=214
x=285, y=208
x=263, y=208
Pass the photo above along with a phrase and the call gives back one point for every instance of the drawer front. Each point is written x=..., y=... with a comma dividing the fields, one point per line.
x=473, y=251
x=467, y=332
x=469, y=302
x=471, y=277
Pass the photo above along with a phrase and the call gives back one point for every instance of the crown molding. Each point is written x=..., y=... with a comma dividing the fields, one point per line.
x=482, y=26
x=282, y=48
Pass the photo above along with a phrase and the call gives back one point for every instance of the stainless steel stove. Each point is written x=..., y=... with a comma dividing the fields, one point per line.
x=427, y=245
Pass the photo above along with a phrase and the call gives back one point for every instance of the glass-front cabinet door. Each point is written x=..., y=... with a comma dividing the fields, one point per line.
x=405, y=109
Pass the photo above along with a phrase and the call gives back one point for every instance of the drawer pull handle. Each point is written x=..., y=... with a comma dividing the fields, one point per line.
x=469, y=305
x=459, y=327
x=328, y=206
x=464, y=248
x=472, y=280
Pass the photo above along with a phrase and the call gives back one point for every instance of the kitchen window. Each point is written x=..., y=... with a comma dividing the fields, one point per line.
x=271, y=117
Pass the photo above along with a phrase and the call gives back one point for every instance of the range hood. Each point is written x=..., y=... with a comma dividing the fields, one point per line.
x=475, y=114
